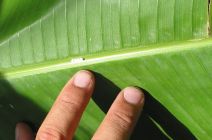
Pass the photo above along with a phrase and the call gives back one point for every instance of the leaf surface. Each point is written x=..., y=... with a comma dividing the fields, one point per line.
x=126, y=41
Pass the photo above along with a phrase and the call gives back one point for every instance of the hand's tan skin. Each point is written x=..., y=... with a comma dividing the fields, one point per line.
x=64, y=116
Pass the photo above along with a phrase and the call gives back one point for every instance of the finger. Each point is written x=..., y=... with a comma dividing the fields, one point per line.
x=23, y=132
x=65, y=114
x=122, y=116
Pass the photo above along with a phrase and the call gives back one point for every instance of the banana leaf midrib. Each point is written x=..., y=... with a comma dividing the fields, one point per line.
x=91, y=59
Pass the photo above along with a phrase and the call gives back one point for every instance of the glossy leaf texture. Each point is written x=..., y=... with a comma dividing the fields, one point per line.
x=127, y=41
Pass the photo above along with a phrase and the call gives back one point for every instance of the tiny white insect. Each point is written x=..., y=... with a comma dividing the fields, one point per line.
x=11, y=106
x=77, y=60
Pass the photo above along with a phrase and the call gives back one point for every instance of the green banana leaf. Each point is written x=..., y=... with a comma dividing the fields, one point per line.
x=162, y=46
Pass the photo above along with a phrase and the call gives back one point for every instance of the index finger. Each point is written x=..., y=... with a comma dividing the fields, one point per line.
x=65, y=114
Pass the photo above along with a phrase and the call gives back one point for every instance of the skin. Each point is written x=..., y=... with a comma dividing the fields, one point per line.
x=64, y=116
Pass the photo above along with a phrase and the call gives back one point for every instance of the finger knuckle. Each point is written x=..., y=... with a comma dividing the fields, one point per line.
x=69, y=104
x=122, y=119
x=50, y=134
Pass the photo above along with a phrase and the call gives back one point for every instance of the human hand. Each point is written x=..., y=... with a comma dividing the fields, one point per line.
x=64, y=116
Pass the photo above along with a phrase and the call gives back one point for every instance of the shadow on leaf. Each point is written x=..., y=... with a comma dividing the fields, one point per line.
x=146, y=129
x=15, y=108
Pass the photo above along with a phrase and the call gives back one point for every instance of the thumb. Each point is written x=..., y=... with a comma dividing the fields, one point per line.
x=23, y=132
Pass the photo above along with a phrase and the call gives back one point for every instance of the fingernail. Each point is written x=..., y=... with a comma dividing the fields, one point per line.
x=133, y=95
x=82, y=79
x=17, y=132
